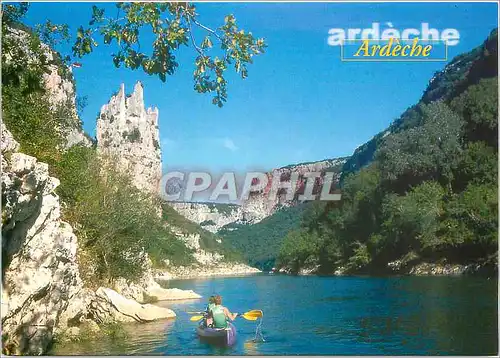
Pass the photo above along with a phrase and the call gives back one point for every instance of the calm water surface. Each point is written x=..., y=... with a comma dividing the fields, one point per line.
x=328, y=315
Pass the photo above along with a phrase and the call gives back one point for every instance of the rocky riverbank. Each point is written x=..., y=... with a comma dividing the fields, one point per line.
x=487, y=268
x=412, y=265
x=221, y=269
x=43, y=295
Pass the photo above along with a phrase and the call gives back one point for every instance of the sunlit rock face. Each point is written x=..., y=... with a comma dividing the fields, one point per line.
x=211, y=217
x=128, y=132
x=39, y=261
x=261, y=204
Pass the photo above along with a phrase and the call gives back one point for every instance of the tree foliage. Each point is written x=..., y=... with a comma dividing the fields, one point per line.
x=478, y=105
x=173, y=25
x=300, y=249
x=426, y=152
x=260, y=243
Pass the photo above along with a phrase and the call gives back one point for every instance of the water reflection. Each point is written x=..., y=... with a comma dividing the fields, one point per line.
x=251, y=348
x=143, y=339
x=325, y=316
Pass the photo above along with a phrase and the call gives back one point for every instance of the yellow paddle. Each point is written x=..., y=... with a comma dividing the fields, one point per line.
x=252, y=315
x=196, y=318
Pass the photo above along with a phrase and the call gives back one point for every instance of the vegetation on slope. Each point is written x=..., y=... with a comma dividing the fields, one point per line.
x=463, y=71
x=259, y=243
x=430, y=192
x=208, y=241
x=114, y=221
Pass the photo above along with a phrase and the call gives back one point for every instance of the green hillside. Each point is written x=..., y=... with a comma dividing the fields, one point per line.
x=425, y=190
x=259, y=243
x=464, y=70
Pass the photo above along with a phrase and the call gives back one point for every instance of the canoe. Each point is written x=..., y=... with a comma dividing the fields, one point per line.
x=219, y=336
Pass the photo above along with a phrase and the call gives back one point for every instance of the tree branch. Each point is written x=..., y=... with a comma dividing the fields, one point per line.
x=206, y=28
x=198, y=49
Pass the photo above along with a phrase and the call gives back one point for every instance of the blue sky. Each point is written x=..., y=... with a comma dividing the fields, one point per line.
x=299, y=103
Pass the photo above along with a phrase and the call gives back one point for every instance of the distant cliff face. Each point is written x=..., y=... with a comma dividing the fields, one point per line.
x=213, y=216
x=258, y=206
x=210, y=216
x=129, y=132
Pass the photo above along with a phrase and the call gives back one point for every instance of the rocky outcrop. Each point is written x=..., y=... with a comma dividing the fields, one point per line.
x=105, y=306
x=128, y=132
x=110, y=305
x=412, y=264
x=59, y=83
x=62, y=97
x=444, y=269
x=447, y=269
x=40, y=271
x=211, y=216
x=304, y=271
x=42, y=292
x=148, y=290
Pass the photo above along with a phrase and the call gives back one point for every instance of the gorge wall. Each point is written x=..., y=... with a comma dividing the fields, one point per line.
x=258, y=206
x=214, y=216
x=40, y=271
x=211, y=216
x=127, y=131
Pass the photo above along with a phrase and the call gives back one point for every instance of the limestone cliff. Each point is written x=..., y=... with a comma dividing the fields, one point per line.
x=259, y=206
x=214, y=216
x=211, y=216
x=129, y=132
x=42, y=292
x=62, y=95
x=40, y=271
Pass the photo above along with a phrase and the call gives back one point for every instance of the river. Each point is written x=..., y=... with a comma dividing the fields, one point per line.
x=327, y=316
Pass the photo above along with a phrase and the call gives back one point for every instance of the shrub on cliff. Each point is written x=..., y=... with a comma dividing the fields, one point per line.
x=26, y=109
x=115, y=222
x=208, y=241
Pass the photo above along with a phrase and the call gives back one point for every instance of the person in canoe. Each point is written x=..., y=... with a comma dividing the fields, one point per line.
x=221, y=315
x=211, y=303
x=209, y=319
